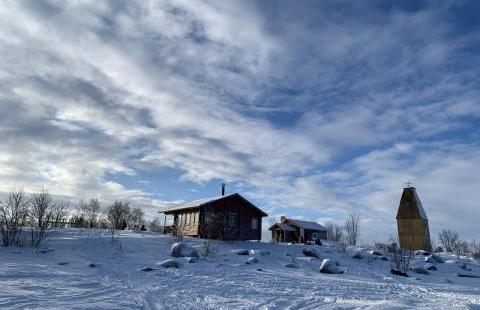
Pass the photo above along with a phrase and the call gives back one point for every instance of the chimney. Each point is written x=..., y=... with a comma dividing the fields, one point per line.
x=282, y=218
x=223, y=189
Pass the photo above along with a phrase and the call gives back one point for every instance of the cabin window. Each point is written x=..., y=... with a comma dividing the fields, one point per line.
x=195, y=218
x=314, y=236
x=232, y=219
x=254, y=223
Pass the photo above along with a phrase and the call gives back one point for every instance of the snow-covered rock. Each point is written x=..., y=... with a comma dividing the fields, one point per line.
x=252, y=260
x=259, y=252
x=430, y=267
x=357, y=255
x=191, y=260
x=310, y=253
x=241, y=252
x=147, y=269
x=398, y=272
x=375, y=253
x=181, y=249
x=421, y=252
x=434, y=259
x=291, y=265
x=169, y=263
x=468, y=274
x=330, y=266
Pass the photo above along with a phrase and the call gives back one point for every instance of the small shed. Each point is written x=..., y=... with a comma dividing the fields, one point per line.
x=292, y=230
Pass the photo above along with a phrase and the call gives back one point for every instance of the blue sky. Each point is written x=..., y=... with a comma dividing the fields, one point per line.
x=311, y=109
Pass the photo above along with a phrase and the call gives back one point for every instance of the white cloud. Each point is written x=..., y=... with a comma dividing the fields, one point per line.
x=98, y=88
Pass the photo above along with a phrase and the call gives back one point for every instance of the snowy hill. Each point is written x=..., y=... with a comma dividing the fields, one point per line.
x=84, y=269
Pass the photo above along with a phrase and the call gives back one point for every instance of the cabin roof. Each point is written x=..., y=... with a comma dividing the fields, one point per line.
x=202, y=202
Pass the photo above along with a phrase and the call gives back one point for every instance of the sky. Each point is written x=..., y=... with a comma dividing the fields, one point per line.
x=310, y=109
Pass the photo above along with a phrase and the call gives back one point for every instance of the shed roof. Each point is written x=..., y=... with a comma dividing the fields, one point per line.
x=307, y=225
x=283, y=226
x=202, y=202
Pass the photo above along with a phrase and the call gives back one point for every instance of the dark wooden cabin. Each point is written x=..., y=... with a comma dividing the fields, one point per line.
x=291, y=230
x=412, y=222
x=230, y=217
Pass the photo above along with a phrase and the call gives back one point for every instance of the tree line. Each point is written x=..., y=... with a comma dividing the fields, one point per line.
x=28, y=217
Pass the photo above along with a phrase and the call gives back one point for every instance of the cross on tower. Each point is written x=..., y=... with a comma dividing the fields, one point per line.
x=409, y=184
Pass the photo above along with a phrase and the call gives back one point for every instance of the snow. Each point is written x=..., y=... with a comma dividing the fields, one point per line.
x=62, y=278
x=308, y=225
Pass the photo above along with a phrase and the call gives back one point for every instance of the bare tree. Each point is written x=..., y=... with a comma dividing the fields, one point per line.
x=461, y=248
x=80, y=218
x=60, y=213
x=13, y=214
x=136, y=218
x=334, y=231
x=92, y=212
x=155, y=225
x=475, y=249
x=40, y=214
x=117, y=215
x=401, y=259
x=352, y=225
x=448, y=239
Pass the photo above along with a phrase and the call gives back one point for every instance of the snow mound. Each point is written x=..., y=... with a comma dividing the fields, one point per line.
x=180, y=249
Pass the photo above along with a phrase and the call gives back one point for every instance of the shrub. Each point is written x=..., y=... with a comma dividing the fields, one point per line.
x=448, y=239
x=40, y=215
x=13, y=214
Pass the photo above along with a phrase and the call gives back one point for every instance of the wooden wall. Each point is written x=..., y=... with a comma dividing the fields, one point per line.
x=413, y=234
x=214, y=220
x=188, y=222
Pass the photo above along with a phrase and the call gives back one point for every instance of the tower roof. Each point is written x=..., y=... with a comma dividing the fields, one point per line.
x=410, y=205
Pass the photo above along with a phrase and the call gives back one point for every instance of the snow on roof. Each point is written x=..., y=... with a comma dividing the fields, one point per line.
x=200, y=202
x=307, y=225
x=194, y=204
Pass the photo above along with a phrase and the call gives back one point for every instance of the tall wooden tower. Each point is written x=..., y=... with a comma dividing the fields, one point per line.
x=412, y=222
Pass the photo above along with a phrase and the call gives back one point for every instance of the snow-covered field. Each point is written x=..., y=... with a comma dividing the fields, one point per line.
x=66, y=279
